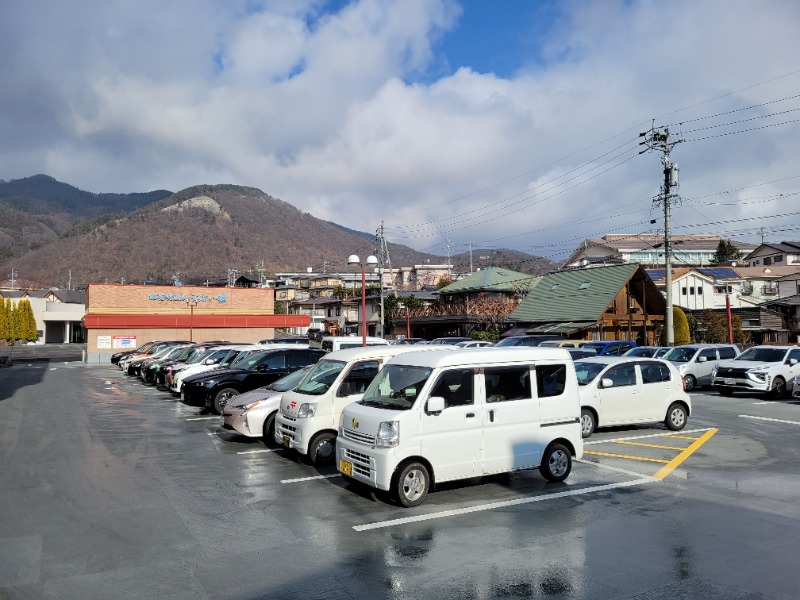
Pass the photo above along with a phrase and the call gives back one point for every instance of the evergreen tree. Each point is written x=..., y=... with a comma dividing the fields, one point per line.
x=726, y=253
x=5, y=332
x=13, y=322
x=27, y=322
x=680, y=326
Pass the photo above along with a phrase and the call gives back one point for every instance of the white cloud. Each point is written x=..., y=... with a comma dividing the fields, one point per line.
x=332, y=113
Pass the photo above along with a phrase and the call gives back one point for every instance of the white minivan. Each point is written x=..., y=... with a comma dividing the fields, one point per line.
x=332, y=343
x=309, y=415
x=429, y=418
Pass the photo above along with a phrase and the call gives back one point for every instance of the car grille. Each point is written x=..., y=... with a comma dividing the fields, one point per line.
x=359, y=437
x=287, y=431
x=731, y=372
x=360, y=462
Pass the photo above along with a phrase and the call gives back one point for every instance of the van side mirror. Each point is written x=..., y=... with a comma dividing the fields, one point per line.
x=435, y=404
x=792, y=361
x=702, y=359
x=606, y=382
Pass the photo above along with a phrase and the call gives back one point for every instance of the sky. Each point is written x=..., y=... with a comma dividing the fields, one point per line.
x=452, y=124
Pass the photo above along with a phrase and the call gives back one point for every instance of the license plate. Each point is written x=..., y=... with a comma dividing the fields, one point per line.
x=286, y=441
x=346, y=467
x=729, y=381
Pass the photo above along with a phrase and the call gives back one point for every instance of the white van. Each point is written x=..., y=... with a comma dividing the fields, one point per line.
x=428, y=418
x=696, y=361
x=309, y=415
x=331, y=343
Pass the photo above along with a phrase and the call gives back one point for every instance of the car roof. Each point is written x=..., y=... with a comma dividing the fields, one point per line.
x=382, y=351
x=607, y=360
x=496, y=355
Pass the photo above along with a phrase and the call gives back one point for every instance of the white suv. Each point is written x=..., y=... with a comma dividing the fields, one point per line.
x=764, y=369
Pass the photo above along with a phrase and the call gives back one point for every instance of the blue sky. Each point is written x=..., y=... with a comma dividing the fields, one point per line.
x=492, y=124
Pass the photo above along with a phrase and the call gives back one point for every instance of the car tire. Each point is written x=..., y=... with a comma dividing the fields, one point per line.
x=411, y=484
x=588, y=423
x=725, y=392
x=269, y=430
x=322, y=449
x=556, y=463
x=676, y=417
x=689, y=383
x=222, y=398
x=778, y=391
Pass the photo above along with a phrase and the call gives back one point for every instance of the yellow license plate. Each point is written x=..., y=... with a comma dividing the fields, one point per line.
x=346, y=467
x=286, y=441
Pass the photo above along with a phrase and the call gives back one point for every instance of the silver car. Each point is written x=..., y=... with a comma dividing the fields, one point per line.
x=252, y=414
x=696, y=361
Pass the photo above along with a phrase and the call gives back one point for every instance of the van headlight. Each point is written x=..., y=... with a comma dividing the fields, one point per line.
x=388, y=434
x=306, y=410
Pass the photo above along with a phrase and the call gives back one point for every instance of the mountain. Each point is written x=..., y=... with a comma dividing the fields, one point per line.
x=198, y=234
x=37, y=210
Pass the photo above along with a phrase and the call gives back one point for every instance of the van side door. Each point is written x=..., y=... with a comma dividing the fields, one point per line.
x=704, y=368
x=510, y=419
x=452, y=438
x=354, y=383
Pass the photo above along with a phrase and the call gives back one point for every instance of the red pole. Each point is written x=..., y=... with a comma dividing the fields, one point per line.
x=728, y=311
x=364, y=306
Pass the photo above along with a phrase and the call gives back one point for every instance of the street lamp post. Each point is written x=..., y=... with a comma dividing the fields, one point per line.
x=191, y=304
x=354, y=260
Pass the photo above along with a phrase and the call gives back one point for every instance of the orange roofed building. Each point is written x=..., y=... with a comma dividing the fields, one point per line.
x=120, y=317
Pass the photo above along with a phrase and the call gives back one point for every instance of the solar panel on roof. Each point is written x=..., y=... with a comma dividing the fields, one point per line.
x=719, y=273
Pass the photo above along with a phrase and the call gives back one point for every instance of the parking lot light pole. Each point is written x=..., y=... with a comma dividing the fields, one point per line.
x=191, y=304
x=353, y=260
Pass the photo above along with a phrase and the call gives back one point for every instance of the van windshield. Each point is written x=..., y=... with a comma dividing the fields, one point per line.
x=680, y=355
x=320, y=379
x=587, y=371
x=396, y=387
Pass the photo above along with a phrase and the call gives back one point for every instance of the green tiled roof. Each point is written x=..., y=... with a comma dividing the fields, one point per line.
x=578, y=295
x=490, y=279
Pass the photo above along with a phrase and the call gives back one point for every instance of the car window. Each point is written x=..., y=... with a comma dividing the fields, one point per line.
x=654, y=372
x=455, y=386
x=275, y=361
x=793, y=354
x=623, y=348
x=709, y=353
x=358, y=378
x=507, y=383
x=302, y=358
x=622, y=375
x=550, y=380
x=727, y=353
x=680, y=354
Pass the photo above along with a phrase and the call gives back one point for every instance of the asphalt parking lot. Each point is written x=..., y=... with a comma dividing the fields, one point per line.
x=112, y=489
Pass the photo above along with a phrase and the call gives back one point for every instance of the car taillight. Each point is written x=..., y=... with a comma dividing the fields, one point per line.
x=683, y=383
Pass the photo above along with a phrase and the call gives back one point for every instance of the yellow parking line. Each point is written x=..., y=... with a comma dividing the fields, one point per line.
x=675, y=462
x=684, y=437
x=626, y=456
x=649, y=445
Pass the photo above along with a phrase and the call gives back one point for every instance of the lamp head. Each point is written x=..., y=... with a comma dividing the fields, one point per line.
x=372, y=260
x=353, y=260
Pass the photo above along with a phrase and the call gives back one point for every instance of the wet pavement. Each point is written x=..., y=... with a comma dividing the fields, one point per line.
x=110, y=489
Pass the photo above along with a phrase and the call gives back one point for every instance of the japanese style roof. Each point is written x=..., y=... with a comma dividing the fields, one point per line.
x=582, y=295
x=491, y=279
x=710, y=272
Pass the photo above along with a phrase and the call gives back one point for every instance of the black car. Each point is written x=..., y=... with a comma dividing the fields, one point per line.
x=150, y=369
x=214, y=388
x=526, y=340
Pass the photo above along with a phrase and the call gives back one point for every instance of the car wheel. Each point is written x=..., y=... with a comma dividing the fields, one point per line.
x=588, y=422
x=689, y=383
x=222, y=398
x=725, y=392
x=778, y=390
x=556, y=463
x=676, y=417
x=269, y=430
x=322, y=449
x=412, y=484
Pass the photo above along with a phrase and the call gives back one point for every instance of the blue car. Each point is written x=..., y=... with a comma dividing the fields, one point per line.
x=611, y=348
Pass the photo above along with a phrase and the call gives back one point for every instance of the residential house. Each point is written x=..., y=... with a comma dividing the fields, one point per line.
x=648, y=250
x=774, y=254
x=618, y=302
x=698, y=289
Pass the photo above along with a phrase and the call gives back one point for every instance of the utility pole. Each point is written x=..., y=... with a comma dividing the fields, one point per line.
x=13, y=278
x=470, y=257
x=383, y=261
x=658, y=139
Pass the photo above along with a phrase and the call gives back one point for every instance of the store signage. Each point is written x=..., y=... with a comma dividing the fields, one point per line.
x=103, y=341
x=189, y=297
x=124, y=341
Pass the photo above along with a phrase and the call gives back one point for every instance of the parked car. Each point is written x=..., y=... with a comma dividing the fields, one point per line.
x=220, y=357
x=333, y=343
x=408, y=340
x=696, y=361
x=115, y=358
x=525, y=340
x=578, y=353
x=445, y=416
x=562, y=343
x=170, y=371
x=285, y=340
x=622, y=391
x=149, y=368
x=764, y=369
x=451, y=341
x=475, y=344
x=793, y=386
x=610, y=348
x=252, y=414
x=213, y=389
x=648, y=351
x=125, y=362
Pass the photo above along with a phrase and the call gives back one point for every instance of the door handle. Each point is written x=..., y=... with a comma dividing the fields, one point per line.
x=470, y=415
x=491, y=416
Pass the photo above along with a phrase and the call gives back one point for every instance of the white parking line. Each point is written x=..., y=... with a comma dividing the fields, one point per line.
x=257, y=451
x=641, y=437
x=310, y=478
x=617, y=469
x=767, y=419
x=203, y=418
x=494, y=505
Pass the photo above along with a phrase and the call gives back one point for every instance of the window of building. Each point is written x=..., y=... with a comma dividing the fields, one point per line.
x=778, y=259
x=585, y=285
x=700, y=290
x=683, y=291
x=691, y=291
x=767, y=260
